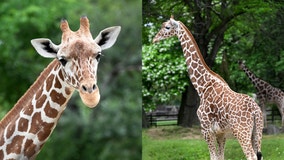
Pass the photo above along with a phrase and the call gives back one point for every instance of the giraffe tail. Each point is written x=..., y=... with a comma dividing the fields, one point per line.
x=259, y=156
x=257, y=134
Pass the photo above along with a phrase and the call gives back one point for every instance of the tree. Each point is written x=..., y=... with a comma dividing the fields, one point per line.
x=215, y=25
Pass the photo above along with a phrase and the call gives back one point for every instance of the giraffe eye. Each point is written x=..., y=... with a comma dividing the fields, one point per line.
x=98, y=57
x=167, y=27
x=62, y=60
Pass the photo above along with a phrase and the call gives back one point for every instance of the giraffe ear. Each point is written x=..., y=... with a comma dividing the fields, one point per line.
x=107, y=37
x=45, y=47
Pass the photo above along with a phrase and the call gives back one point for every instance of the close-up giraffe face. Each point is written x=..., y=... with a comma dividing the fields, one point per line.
x=79, y=60
x=79, y=55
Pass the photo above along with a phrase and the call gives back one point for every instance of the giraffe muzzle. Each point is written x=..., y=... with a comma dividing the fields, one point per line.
x=89, y=93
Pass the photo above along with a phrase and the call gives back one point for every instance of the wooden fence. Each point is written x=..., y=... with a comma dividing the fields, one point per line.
x=165, y=119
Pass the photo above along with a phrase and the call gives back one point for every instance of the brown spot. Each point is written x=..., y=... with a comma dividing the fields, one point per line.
x=47, y=129
x=57, y=84
x=188, y=61
x=11, y=130
x=2, y=140
x=16, y=145
x=42, y=129
x=50, y=112
x=57, y=97
x=193, y=80
x=186, y=38
x=36, y=123
x=243, y=119
x=40, y=101
x=194, y=57
x=190, y=70
x=211, y=116
x=1, y=154
x=30, y=148
x=213, y=108
x=60, y=75
x=191, y=49
x=184, y=45
x=68, y=91
x=49, y=82
x=23, y=125
x=28, y=111
x=194, y=64
x=197, y=74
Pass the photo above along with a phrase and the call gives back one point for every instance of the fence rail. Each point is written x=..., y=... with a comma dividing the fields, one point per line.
x=164, y=119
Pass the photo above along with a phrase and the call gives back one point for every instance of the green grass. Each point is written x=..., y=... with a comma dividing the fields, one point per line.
x=170, y=122
x=176, y=143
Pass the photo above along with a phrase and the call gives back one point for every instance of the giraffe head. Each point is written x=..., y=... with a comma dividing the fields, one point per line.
x=169, y=28
x=79, y=55
x=241, y=64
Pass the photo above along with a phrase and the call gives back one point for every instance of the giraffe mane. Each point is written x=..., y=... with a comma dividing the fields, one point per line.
x=26, y=98
x=200, y=55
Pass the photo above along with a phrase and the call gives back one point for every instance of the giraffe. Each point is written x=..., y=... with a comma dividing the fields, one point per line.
x=265, y=93
x=27, y=126
x=221, y=109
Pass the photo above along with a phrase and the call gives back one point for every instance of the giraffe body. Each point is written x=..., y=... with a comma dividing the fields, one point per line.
x=221, y=109
x=266, y=93
x=27, y=126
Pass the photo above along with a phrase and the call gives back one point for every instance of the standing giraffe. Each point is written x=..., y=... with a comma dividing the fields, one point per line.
x=27, y=126
x=221, y=109
x=265, y=93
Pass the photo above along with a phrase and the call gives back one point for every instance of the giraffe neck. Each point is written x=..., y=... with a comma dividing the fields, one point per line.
x=25, y=129
x=270, y=93
x=200, y=74
x=259, y=84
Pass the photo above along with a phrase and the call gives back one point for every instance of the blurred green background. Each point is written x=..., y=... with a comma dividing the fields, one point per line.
x=112, y=130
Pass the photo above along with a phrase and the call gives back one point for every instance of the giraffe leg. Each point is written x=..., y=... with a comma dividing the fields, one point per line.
x=244, y=136
x=221, y=140
x=281, y=109
x=210, y=139
x=262, y=106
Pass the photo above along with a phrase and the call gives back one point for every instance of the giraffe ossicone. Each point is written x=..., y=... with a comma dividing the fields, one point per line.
x=221, y=109
x=26, y=127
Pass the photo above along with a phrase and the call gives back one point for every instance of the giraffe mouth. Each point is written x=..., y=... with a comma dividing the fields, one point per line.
x=155, y=40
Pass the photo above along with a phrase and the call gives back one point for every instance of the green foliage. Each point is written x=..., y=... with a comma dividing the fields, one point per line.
x=111, y=130
x=164, y=73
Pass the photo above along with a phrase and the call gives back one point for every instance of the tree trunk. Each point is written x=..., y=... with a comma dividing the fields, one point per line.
x=187, y=116
x=145, y=123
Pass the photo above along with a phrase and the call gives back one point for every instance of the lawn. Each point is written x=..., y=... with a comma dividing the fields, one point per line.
x=177, y=143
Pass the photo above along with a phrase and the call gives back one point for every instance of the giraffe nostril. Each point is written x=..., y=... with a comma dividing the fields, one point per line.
x=88, y=88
